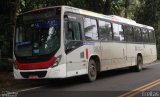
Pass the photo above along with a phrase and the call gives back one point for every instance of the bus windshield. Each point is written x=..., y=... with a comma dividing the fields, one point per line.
x=37, y=38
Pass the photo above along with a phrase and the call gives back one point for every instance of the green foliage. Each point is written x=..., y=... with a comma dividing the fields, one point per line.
x=6, y=41
x=144, y=11
x=26, y=5
x=149, y=13
x=5, y=66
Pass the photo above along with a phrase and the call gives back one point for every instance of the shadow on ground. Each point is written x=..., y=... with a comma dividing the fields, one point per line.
x=68, y=82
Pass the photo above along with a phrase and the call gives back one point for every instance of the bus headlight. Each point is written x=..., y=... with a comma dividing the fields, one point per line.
x=58, y=59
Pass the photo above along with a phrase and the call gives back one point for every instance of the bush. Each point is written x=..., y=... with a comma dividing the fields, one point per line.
x=5, y=66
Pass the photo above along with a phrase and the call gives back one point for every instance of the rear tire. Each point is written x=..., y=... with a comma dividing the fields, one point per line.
x=92, y=71
x=139, y=65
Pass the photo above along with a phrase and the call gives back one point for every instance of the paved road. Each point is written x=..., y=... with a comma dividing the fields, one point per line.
x=109, y=84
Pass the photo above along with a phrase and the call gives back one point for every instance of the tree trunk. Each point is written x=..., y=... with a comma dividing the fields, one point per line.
x=0, y=54
x=126, y=8
x=107, y=7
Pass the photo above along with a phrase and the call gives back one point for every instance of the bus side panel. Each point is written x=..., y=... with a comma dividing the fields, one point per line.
x=76, y=64
x=106, y=55
x=149, y=53
x=113, y=55
x=130, y=50
x=77, y=60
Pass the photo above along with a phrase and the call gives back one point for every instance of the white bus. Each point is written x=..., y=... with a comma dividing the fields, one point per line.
x=63, y=41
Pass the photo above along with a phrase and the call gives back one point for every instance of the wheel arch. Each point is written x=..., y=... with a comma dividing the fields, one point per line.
x=96, y=58
x=139, y=54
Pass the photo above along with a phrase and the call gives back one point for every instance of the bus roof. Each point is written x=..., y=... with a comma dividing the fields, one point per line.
x=144, y=26
x=93, y=14
x=108, y=17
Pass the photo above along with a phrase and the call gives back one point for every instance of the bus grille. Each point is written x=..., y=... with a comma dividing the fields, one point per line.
x=37, y=73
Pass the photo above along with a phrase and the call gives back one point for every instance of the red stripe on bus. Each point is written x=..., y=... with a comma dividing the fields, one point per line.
x=86, y=53
x=37, y=65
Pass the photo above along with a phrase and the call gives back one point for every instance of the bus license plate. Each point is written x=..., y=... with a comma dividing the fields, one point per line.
x=33, y=77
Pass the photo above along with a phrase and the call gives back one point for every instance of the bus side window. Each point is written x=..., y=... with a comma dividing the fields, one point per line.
x=105, y=30
x=68, y=31
x=72, y=30
x=73, y=38
x=128, y=33
x=138, y=34
x=118, y=32
x=77, y=30
x=151, y=36
x=145, y=35
x=90, y=29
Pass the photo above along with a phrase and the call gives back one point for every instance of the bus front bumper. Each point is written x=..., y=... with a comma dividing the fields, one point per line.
x=55, y=72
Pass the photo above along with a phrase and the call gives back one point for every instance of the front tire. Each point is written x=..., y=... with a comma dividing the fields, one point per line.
x=92, y=71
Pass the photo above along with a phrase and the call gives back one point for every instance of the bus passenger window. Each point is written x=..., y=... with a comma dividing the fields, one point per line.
x=118, y=32
x=151, y=36
x=129, y=33
x=145, y=35
x=105, y=30
x=90, y=29
x=138, y=34
x=77, y=31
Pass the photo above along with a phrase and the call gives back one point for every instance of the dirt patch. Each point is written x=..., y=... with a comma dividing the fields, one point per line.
x=8, y=83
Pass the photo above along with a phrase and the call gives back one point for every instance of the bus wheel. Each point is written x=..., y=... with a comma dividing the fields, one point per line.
x=139, y=67
x=92, y=71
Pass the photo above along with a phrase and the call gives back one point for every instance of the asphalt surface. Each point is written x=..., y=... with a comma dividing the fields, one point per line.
x=108, y=84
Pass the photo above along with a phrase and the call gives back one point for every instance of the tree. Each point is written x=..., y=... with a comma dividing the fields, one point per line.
x=7, y=20
x=144, y=11
x=149, y=13
x=126, y=8
x=107, y=7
